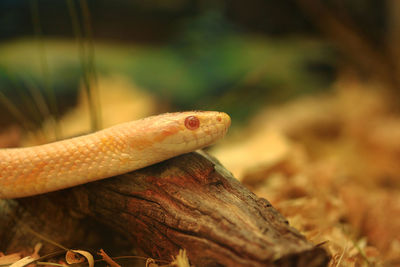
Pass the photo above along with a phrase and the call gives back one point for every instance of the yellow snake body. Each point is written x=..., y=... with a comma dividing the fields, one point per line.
x=112, y=151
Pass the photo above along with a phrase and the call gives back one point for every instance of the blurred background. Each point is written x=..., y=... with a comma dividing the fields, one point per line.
x=220, y=55
x=187, y=54
x=312, y=87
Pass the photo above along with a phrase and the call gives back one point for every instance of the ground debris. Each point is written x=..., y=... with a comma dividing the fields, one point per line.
x=330, y=164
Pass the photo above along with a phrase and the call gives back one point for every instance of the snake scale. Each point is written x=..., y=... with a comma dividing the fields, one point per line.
x=116, y=150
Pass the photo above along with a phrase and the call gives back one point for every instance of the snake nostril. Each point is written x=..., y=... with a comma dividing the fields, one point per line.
x=219, y=119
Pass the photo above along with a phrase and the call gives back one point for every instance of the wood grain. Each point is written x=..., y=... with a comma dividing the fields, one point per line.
x=189, y=202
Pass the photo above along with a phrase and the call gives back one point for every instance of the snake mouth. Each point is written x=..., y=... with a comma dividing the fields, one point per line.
x=226, y=119
x=214, y=129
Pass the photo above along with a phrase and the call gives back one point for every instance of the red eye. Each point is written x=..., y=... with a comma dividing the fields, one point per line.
x=192, y=122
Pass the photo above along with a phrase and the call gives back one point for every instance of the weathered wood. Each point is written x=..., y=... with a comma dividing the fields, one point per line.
x=189, y=202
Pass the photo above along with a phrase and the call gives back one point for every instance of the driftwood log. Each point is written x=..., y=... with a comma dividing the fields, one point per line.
x=189, y=202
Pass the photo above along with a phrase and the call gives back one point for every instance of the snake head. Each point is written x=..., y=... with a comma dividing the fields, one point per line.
x=182, y=132
x=188, y=131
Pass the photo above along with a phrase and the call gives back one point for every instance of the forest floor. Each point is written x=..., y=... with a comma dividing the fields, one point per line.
x=331, y=165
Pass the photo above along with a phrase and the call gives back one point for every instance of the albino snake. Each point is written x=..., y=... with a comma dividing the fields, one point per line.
x=112, y=151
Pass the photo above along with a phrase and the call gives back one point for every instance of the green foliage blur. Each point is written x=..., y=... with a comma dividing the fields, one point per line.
x=208, y=63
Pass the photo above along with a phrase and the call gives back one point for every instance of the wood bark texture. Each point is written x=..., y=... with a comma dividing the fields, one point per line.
x=189, y=202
